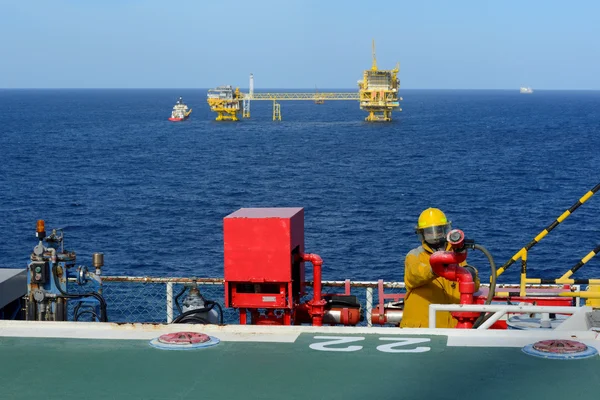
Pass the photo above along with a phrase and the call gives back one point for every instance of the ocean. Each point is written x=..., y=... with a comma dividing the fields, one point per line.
x=119, y=178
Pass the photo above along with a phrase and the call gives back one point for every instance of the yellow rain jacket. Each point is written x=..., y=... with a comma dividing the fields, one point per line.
x=424, y=288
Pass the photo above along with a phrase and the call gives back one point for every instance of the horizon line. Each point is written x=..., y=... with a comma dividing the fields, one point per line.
x=265, y=89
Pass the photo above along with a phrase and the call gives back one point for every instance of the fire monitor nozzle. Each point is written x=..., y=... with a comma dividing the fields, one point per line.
x=456, y=238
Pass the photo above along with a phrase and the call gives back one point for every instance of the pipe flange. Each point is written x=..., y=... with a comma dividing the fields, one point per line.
x=39, y=295
x=82, y=275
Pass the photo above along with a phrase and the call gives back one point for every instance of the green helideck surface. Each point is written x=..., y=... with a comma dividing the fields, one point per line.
x=74, y=369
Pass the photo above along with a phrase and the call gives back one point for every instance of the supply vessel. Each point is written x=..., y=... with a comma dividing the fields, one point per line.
x=180, y=111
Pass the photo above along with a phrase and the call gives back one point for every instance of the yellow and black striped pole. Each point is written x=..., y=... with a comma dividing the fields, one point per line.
x=565, y=278
x=522, y=254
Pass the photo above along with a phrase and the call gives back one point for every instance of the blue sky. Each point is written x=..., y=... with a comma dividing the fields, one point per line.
x=298, y=44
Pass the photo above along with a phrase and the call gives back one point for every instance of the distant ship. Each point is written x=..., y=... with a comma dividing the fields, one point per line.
x=526, y=90
x=180, y=111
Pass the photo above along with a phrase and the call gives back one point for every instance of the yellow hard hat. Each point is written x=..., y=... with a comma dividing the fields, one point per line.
x=431, y=217
x=432, y=227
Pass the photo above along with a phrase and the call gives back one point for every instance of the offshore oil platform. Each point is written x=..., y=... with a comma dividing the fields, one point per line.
x=377, y=94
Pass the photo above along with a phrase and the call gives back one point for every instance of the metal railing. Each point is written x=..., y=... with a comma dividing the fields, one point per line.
x=302, y=96
x=498, y=311
x=154, y=299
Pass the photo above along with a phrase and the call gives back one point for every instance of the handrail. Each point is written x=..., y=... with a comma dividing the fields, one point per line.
x=357, y=284
x=367, y=300
x=522, y=254
x=220, y=281
x=302, y=96
x=499, y=310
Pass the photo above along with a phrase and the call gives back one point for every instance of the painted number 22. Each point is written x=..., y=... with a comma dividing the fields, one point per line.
x=398, y=345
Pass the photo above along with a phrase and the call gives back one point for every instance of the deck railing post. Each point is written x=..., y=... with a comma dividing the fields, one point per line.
x=369, y=305
x=169, y=302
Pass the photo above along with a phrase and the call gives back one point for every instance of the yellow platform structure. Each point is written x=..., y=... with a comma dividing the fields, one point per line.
x=318, y=100
x=378, y=92
x=225, y=102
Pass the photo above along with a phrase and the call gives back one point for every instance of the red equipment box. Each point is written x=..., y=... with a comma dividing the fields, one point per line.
x=261, y=252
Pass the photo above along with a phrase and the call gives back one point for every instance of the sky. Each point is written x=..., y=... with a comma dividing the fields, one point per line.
x=461, y=44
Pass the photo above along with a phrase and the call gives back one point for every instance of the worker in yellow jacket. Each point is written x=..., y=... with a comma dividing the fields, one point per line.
x=423, y=286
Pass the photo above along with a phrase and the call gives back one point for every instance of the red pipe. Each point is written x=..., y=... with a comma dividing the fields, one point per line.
x=317, y=263
x=445, y=264
x=317, y=303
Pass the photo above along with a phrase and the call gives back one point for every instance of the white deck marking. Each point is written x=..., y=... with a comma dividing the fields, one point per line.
x=333, y=340
x=398, y=342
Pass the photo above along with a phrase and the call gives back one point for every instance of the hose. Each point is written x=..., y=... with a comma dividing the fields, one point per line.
x=492, y=292
x=177, y=300
x=191, y=315
x=94, y=315
x=194, y=319
x=97, y=296
x=77, y=313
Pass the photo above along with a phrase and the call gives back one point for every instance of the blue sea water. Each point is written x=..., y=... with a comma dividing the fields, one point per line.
x=108, y=167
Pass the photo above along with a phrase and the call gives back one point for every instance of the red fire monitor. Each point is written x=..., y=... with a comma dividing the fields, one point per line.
x=263, y=265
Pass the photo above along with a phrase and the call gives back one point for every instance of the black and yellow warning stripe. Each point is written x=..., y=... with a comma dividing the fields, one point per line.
x=565, y=278
x=581, y=263
x=583, y=295
x=522, y=254
x=561, y=281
